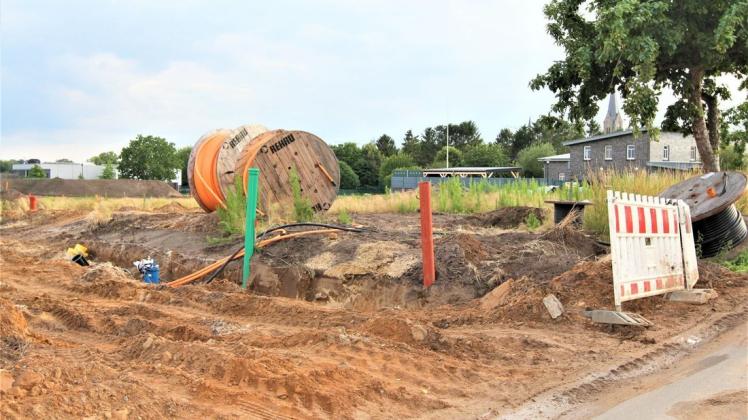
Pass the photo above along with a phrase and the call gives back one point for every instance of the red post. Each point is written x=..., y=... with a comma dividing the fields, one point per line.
x=32, y=202
x=427, y=236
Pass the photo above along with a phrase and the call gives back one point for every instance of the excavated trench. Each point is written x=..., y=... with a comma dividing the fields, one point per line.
x=378, y=268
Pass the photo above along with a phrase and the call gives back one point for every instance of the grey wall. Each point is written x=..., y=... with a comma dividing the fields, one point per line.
x=580, y=167
x=552, y=169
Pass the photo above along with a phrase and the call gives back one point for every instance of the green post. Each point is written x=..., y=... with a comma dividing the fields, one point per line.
x=249, y=230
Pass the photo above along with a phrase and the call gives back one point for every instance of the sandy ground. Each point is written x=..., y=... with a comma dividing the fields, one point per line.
x=95, y=342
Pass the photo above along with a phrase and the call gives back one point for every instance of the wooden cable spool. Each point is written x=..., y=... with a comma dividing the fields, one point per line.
x=210, y=169
x=276, y=153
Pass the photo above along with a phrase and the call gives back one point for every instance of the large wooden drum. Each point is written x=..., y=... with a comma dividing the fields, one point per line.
x=277, y=153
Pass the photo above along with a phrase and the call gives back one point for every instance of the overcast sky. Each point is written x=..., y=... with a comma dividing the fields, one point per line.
x=83, y=77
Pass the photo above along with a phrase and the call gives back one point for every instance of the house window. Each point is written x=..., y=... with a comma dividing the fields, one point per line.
x=609, y=152
x=665, y=152
x=561, y=176
x=630, y=152
x=587, y=152
x=693, y=153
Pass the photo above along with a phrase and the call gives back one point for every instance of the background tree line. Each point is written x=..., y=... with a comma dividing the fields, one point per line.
x=371, y=165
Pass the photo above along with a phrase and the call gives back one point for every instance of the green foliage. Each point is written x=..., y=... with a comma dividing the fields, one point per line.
x=302, y=207
x=36, y=171
x=641, y=48
x=450, y=196
x=232, y=217
x=532, y=222
x=528, y=158
x=348, y=178
x=149, y=157
x=183, y=156
x=739, y=264
x=386, y=145
x=104, y=158
x=6, y=165
x=455, y=157
x=63, y=161
x=485, y=155
x=398, y=161
x=344, y=218
x=367, y=166
x=108, y=172
x=731, y=159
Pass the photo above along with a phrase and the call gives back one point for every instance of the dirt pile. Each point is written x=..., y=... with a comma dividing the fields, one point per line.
x=91, y=187
x=507, y=217
x=14, y=332
x=105, y=272
x=11, y=194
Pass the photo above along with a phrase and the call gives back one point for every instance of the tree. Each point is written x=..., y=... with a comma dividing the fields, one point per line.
x=455, y=157
x=528, y=158
x=485, y=155
x=36, y=171
x=348, y=178
x=523, y=137
x=734, y=137
x=411, y=144
x=642, y=47
x=428, y=147
x=149, y=157
x=367, y=166
x=183, y=155
x=6, y=165
x=400, y=160
x=556, y=130
x=386, y=145
x=108, y=172
x=64, y=161
x=347, y=152
x=505, y=138
x=104, y=158
x=462, y=136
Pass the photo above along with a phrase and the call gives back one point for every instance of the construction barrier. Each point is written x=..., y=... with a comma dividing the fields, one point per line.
x=652, y=246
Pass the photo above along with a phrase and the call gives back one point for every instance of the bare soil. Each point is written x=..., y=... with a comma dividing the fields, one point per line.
x=91, y=187
x=334, y=326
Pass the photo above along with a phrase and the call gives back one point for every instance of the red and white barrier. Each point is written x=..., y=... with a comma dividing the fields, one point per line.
x=648, y=246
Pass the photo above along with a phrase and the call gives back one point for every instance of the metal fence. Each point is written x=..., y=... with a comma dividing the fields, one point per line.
x=408, y=180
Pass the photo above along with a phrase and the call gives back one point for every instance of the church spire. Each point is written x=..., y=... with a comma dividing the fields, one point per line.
x=613, y=121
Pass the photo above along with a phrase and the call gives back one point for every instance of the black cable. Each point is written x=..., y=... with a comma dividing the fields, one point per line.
x=220, y=269
x=715, y=233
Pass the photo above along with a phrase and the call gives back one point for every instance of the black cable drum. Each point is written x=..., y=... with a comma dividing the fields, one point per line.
x=717, y=224
x=720, y=232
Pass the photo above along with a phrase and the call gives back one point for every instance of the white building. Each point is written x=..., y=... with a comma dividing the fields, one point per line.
x=63, y=170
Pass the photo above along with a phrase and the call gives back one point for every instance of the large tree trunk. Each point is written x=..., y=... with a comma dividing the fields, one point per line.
x=708, y=158
x=712, y=120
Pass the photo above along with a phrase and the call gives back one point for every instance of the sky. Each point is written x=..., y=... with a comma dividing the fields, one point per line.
x=84, y=77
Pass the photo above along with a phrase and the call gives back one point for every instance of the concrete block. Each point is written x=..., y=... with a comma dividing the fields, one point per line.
x=553, y=305
x=696, y=296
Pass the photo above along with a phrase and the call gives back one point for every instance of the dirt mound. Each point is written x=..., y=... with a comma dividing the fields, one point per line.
x=507, y=217
x=400, y=330
x=105, y=272
x=14, y=333
x=11, y=194
x=574, y=239
x=173, y=207
x=91, y=187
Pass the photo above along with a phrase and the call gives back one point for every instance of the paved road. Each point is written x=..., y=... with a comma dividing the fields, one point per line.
x=698, y=377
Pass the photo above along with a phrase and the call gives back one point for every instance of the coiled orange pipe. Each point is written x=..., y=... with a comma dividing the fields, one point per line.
x=204, y=173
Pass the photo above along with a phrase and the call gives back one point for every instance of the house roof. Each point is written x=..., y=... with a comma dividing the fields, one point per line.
x=556, y=158
x=602, y=137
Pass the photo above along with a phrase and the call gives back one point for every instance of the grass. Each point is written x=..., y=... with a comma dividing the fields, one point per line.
x=480, y=196
x=739, y=264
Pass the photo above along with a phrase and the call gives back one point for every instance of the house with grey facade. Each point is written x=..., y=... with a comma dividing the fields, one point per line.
x=621, y=150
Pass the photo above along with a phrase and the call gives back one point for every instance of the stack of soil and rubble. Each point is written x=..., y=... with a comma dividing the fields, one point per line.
x=91, y=187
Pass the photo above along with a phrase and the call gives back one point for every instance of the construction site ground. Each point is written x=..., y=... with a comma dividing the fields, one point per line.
x=333, y=326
